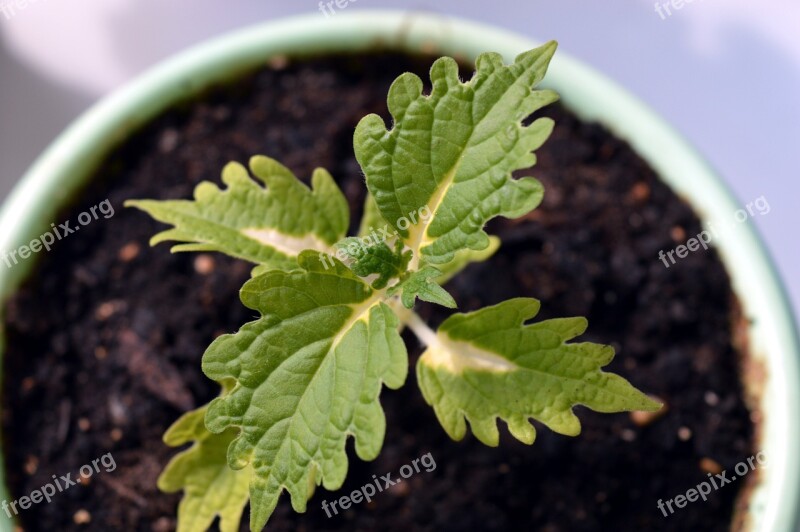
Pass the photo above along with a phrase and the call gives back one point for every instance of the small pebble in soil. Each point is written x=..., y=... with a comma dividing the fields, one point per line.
x=84, y=424
x=168, y=141
x=204, y=264
x=684, y=434
x=627, y=435
x=401, y=489
x=129, y=251
x=31, y=465
x=100, y=352
x=108, y=309
x=164, y=524
x=117, y=410
x=708, y=465
x=116, y=434
x=678, y=234
x=711, y=399
x=640, y=191
x=82, y=517
x=28, y=383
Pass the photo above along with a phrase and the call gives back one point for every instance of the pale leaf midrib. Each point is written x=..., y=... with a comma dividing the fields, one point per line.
x=323, y=247
x=457, y=356
x=361, y=310
x=291, y=245
x=420, y=237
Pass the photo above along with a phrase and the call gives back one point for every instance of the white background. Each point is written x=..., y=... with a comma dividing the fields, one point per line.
x=726, y=73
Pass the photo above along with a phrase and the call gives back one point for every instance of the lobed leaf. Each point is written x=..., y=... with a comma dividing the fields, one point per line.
x=453, y=152
x=423, y=284
x=308, y=374
x=268, y=226
x=210, y=487
x=489, y=364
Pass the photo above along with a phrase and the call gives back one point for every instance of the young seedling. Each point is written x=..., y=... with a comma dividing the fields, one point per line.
x=308, y=373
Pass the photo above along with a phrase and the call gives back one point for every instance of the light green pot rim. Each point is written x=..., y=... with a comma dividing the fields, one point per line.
x=773, y=341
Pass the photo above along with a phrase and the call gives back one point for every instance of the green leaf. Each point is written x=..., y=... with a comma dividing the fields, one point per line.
x=452, y=153
x=422, y=284
x=308, y=374
x=265, y=225
x=489, y=364
x=370, y=257
x=211, y=488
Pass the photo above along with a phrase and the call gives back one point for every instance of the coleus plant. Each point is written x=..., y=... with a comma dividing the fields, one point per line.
x=308, y=373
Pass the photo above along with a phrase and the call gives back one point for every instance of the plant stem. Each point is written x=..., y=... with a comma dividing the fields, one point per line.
x=408, y=317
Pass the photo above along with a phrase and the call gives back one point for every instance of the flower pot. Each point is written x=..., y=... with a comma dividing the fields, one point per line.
x=770, y=341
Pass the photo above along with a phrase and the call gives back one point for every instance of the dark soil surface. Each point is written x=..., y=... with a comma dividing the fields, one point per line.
x=104, y=343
